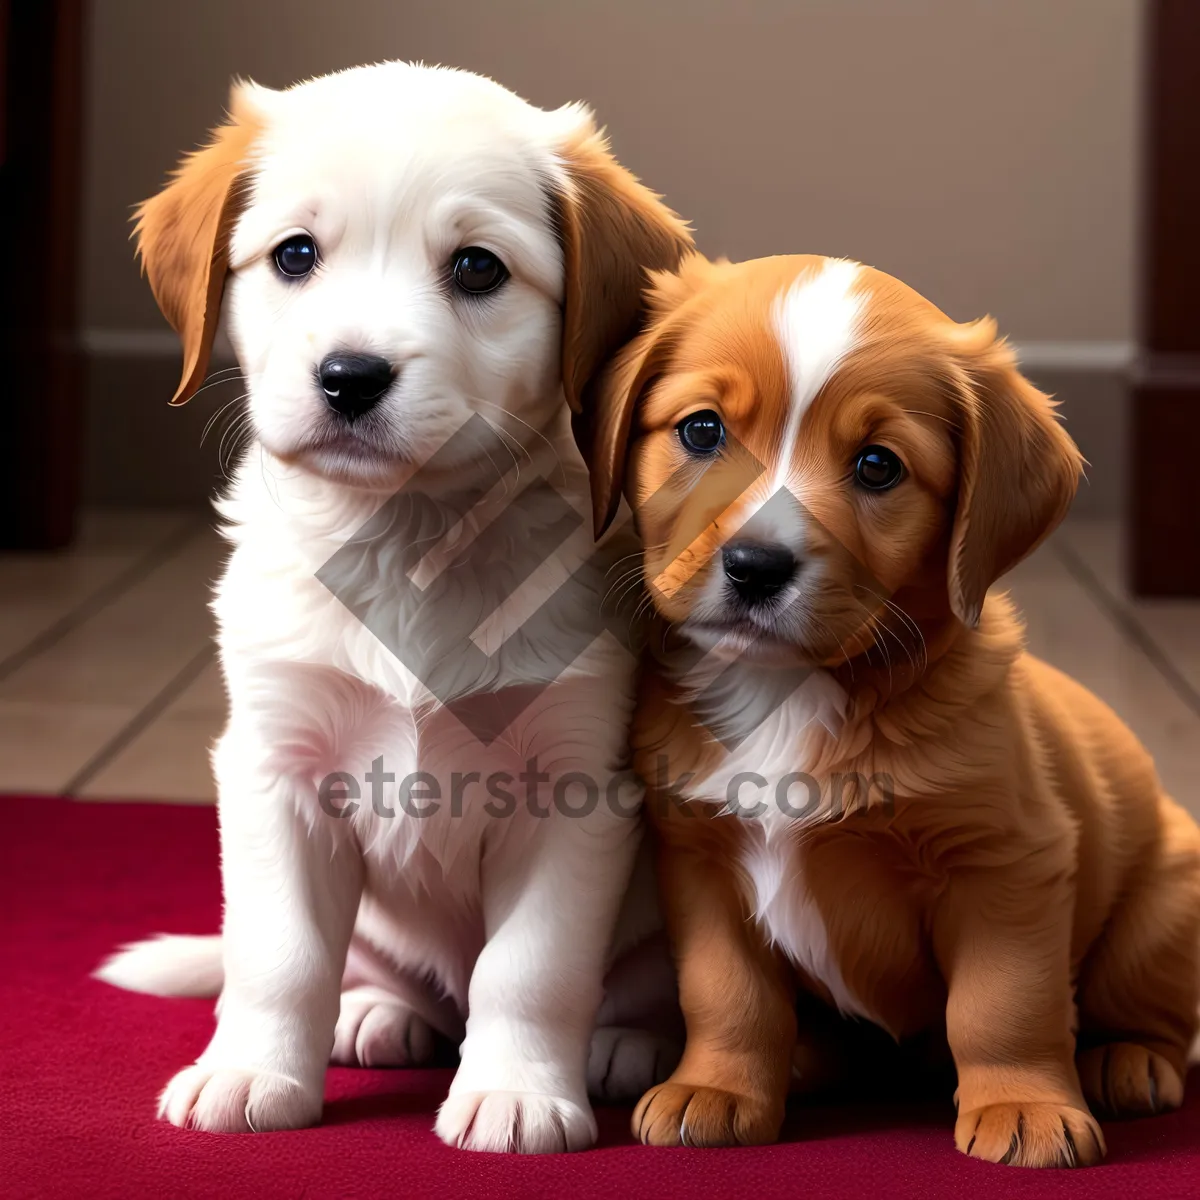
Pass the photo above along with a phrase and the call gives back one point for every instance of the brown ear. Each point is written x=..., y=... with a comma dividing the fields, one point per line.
x=615, y=399
x=614, y=231
x=1018, y=470
x=615, y=392
x=183, y=235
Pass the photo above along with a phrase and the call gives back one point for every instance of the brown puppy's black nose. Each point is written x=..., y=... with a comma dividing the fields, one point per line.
x=758, y=571
x=354, y=383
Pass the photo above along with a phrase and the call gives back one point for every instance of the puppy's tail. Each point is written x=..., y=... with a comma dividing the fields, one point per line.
x=167, y=966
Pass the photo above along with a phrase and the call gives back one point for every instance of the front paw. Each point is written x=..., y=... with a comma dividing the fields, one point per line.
x=1030, y=1135
x=515, y=1123
x=236, y=1100
x=684, y=1114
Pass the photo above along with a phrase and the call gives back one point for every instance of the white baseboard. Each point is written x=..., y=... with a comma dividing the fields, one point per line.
x=144, y=343
x=1075, y=356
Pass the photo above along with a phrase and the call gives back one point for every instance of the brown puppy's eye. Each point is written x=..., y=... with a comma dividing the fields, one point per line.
x=702, y=432
x=877, y=469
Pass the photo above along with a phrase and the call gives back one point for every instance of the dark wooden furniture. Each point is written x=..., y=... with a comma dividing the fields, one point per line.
x=41, y=410
x=1164, y=517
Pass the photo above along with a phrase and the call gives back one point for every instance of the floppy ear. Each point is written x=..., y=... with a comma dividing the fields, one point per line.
x=183, y=234
x=615, y=400
x=613, y=231
x=1018, y=470
x=619, y=386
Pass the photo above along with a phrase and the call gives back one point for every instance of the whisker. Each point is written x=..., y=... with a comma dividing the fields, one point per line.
x=504, y=439
x=632, y=585
x=216, y=416
x=536, y=432
x=234, y=440
x=272, y=485
x=874, y=626
x=909, y=625
x=217, y=379
x=633, y=572
x=822, y=627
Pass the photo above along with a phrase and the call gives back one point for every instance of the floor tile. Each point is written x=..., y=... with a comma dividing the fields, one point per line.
x=1173, y=625
x=1101, y=546
x=204, y=695
x=169, y=761
x=133, y=648
x=1041, y=565
x=1066, y=627
x=43, y=745
x=39, y=590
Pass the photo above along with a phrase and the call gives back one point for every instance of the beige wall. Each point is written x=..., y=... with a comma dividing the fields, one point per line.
x=983, y=150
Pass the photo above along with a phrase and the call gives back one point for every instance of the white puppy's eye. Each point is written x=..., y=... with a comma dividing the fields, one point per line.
x=478, y=271
x=296, y=256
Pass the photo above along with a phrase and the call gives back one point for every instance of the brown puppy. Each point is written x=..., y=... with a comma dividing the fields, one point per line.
x=863, y=786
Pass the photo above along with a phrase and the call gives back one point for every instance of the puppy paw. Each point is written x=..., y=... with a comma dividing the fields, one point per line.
x=1124, y=1079
x=683, y=1114
x=1030, y=1135
x=374, y=1029
x=625, y=1063
x=234, y=1100
x=515, y=1123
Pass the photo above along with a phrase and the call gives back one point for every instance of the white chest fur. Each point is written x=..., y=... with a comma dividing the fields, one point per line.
x=788, y=915
x=322, y=686
x=764, y=779
x=767, y=737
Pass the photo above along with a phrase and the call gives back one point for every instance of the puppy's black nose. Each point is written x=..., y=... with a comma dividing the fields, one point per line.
x=353, y=383
x=758, y=571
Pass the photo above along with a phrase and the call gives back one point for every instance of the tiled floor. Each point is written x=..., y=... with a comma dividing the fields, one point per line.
x=108, y=688
x=107, y=682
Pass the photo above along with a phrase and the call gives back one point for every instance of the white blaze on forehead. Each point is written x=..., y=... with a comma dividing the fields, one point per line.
x=816, y=321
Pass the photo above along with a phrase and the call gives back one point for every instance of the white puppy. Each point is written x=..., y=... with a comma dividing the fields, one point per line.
x=427, y=734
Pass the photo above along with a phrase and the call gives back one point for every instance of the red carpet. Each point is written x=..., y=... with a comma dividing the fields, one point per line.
x=81, y=1064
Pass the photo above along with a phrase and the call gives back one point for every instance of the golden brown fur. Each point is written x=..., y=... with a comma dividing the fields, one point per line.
x=183, y=237
x=1028, y=892
x=613, y=230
